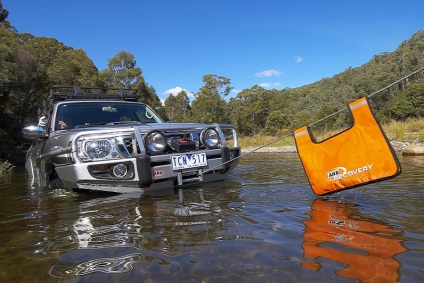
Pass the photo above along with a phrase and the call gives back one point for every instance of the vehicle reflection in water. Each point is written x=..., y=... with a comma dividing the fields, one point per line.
x=112, y=240
x=359, y=248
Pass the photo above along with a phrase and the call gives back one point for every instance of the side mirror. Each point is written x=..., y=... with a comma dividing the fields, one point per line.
x=33, y=132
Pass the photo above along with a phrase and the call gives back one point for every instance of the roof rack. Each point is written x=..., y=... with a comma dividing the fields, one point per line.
x=61, y=92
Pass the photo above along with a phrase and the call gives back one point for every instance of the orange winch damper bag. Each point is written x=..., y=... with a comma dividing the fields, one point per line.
x=355, y=157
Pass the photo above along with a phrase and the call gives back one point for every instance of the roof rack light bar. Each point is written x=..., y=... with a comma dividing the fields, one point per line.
x=61, y=92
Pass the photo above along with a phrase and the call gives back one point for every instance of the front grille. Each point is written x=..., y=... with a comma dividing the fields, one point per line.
x=128, y=144
x=191, y=136
x=128, y=141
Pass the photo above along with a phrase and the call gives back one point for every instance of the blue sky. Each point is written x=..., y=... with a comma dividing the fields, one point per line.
x=272, y=43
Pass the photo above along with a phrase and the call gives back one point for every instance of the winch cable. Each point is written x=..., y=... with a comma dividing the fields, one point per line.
x=314, y=123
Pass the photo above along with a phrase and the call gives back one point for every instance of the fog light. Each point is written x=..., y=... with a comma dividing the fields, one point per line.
x=120, y=170
x=210, y=138
x=155, y=142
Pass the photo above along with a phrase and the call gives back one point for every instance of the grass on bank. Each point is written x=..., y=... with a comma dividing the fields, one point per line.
x=411, y=130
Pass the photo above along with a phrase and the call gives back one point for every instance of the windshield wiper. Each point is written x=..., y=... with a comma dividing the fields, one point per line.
x=123, y=123
x=91, y=125
x=86, y=125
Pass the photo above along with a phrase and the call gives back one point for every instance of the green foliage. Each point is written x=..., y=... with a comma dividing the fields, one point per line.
x=209, y=105
x=24, y=78
x=415, y=95
x=178, y=107
x=276, y=121
x=3, y=13
x=73, y=67
x=401, y=108
x=121, y=71
x=250, y=110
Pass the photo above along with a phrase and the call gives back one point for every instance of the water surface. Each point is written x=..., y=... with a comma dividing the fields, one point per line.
x=264, y=224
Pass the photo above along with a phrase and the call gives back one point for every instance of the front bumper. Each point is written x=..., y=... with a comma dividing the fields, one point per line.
x=148, y=172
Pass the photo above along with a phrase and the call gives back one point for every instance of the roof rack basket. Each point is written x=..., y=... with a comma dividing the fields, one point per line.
x=61, y=92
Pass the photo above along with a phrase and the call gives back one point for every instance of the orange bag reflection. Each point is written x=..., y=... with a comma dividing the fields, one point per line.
x=355, y=157
x=367, y=248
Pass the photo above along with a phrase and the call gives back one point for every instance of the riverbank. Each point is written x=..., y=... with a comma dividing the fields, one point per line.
x=399, y=147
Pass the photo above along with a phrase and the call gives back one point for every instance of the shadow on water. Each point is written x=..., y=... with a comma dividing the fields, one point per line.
x=263, y=224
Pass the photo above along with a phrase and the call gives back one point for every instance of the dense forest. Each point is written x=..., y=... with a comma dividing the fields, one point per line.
x=30, y=65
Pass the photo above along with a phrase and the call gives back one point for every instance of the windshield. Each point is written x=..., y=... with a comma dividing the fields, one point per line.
x=85, y=114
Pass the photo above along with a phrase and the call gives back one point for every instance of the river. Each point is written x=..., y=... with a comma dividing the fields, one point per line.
x=263, y=224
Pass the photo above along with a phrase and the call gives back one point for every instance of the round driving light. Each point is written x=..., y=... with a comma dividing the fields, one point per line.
x=155, y=142
x=120, y=170
x=98, y=149
x=210, y=138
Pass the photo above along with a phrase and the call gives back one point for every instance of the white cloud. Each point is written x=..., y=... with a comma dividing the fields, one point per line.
x=269, y=73
x=270, y=85
x=176, y=90
x=298, y=59
x=236, y=91
x=162, y=101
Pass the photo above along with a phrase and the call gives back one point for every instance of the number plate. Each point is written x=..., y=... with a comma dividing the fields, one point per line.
x=189, y=160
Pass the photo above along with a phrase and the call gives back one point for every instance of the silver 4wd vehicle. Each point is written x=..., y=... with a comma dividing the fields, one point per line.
x=102, y=139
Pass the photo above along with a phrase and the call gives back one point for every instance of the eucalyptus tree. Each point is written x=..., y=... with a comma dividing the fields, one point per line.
x=415, y=94
x=122, y=72
x=149, y=96
x=178, y=107
x=209, y=104
x=9, y=43
x=171, y=107
x=27, y=78
x=3, y=13
x=73, y=67
x=252, y=109
x=275, y=122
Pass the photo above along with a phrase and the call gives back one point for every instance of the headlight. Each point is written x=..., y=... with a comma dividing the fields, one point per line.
x=100, y=149
x=210, y=138
x=154, y=142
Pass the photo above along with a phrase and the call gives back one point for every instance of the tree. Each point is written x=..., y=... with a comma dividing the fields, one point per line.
x=24, y=78
x=9, y=43
x=3, y=13
x=253, y=109
x=402, y=108
x=149, y=97
x=26, y=93
x=209, y=104
x=171, y=107
x=276, y=121
x=44, y=50
x=121, y=71
x=178, y=107
x=73, y=67
x=415, y=94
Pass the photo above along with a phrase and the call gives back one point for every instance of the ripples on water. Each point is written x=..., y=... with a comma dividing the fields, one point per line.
x=264, y=224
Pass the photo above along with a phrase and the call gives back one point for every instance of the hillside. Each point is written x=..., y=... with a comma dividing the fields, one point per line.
x=29, y=65
x=292, y=108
